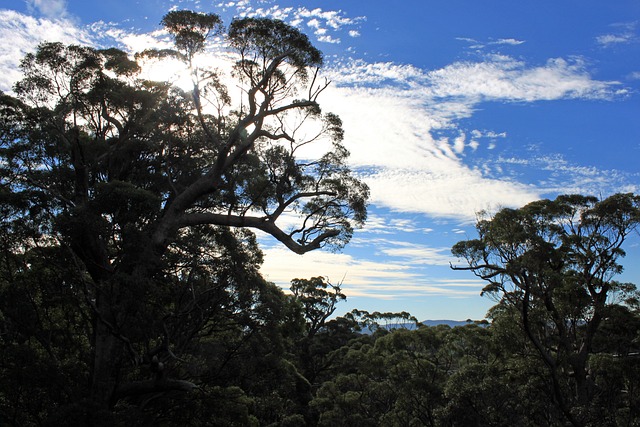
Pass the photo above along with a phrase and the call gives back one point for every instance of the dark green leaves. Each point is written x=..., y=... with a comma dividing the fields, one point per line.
x=190, y=30
x=119, y=62
x=552, y=263
x=126, y=206
x=271, y=39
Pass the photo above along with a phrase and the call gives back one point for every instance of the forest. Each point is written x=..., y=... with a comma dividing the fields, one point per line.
x=130, y=291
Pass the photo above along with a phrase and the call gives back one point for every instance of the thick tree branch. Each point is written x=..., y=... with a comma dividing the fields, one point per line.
x=261, y=223
x=293, y=105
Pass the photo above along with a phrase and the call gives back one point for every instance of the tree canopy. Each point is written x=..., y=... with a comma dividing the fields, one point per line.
x=148, y=192
x=554, y=263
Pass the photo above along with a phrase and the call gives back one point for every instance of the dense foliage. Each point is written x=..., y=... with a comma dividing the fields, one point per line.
x=552, y=266
x=130, y=291
x=129, y=274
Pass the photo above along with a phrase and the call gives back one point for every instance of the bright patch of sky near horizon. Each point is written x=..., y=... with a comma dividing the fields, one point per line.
x=448, y=107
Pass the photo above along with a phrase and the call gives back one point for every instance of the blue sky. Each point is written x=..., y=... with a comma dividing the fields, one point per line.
x=449, y=107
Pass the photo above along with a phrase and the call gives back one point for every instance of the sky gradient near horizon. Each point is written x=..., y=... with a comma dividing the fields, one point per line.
x=449, y=108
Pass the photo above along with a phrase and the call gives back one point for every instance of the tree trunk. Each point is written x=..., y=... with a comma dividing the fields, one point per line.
x=104, y=369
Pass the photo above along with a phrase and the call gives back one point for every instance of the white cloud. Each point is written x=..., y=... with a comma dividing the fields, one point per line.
x=397, y=274
x=323, y=21
x=459, y=192
x=332, y=18
x=391, y=113
x=328, y=39
x=408, y=226
x=313, y=23
x=610, y=39
x=477, y=134
x=475, y=44
x=21, y=34
x=459, y=144
x=282, y=265
x=415, y=254
x=53, y=9
x=624, y=32
x=362, y=73
x=513, y=42
x=133, y=42
x=377, y=224
x=558, y=176
x=336, y=20
x=491, y=134
x=498, y=77
x=503, y=78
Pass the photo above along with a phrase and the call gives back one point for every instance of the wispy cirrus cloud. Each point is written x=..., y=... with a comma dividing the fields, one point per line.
x=22, y=33
x=52, y=9
x=557, y=175
x=381, y=225
x=623, y=33
x=496, y=77
x=397, y=271
x=414, y=254
x=396, y=139
x=477, y=44
x=501, y=77
x=510, y=41
x=611, y=39
x=281, y=265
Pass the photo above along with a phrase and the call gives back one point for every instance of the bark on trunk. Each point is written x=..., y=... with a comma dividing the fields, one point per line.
x=104, y=370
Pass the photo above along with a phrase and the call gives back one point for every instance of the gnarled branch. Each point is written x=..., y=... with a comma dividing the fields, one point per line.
x=261, y=223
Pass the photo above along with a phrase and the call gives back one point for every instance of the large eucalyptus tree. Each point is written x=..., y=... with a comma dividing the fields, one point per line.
x=147, y=192
x=554, y=264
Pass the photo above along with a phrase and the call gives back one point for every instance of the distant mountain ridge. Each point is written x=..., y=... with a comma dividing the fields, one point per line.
x=411, y=326
x=451, y=323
